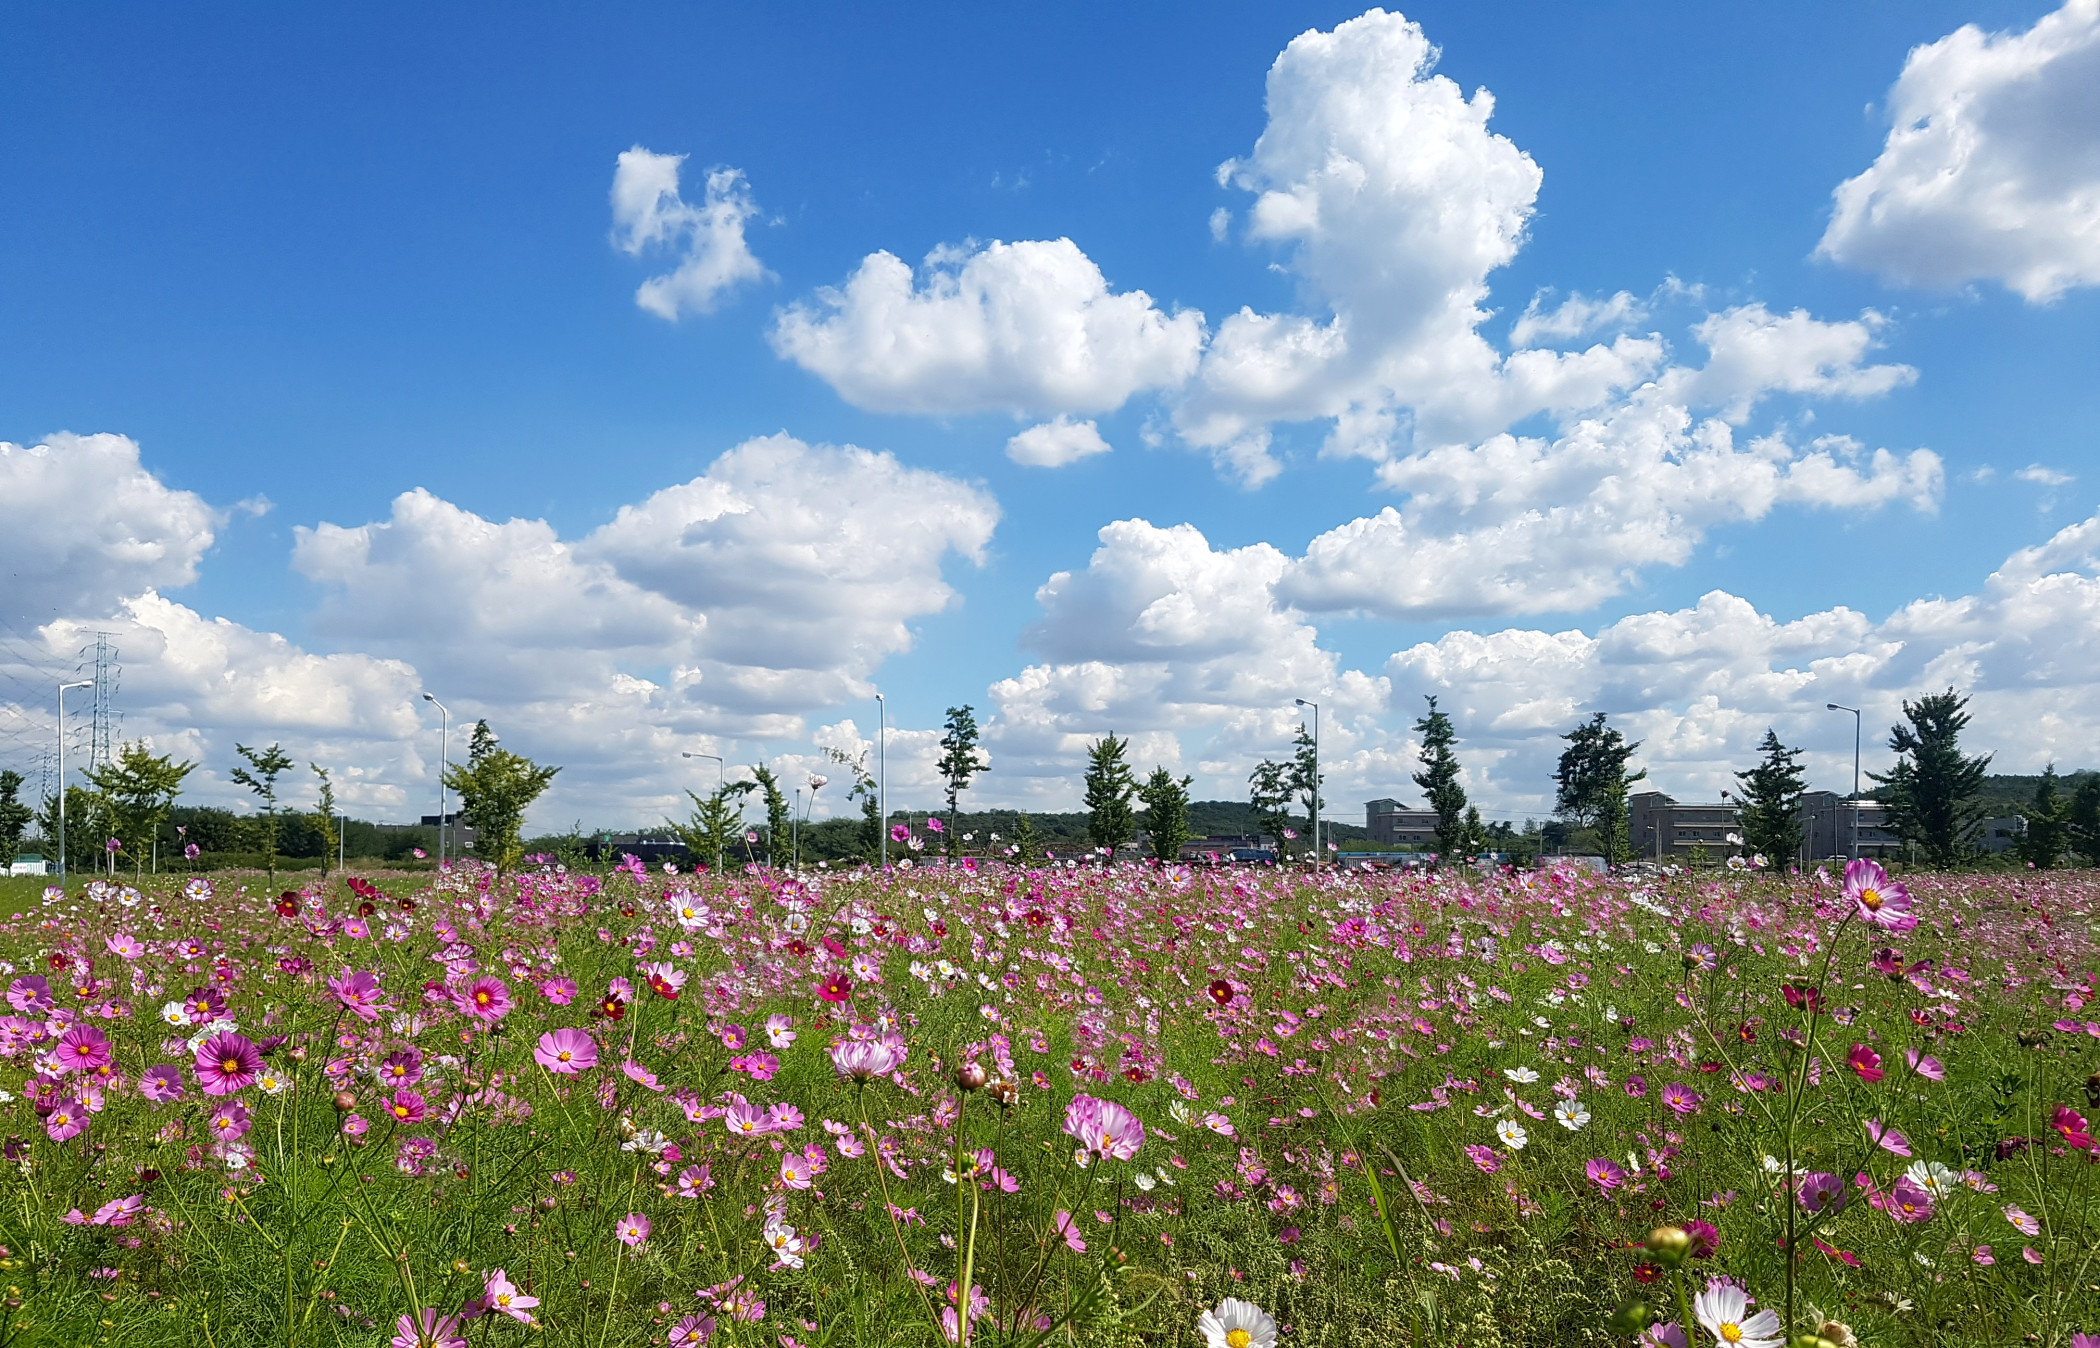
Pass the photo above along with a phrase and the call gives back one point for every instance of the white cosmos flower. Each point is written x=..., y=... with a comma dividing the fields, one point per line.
x=173, y=1014
x=1512, y=1134
x=1523, y=1076
x=1571, y=1115
x=1724, y=1310
x=1933, y=1177
x=1236, y=1324
x=1143, y=1181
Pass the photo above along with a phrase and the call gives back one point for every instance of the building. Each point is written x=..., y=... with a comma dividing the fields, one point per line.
x=1661, y=827
x=29, y=863
x=1243, y=849
x=459, y=838
x=1395, y=825
x=1828, y=820
x=2000, y=834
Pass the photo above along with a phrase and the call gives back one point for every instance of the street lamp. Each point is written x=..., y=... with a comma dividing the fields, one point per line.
x=721, y=784
x=882, y=777
x=1832, y=706
x=84, y=683
x=1315, y=781
x=444, y=753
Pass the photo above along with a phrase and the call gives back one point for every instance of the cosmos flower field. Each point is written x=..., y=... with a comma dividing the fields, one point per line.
x=1070, y=1105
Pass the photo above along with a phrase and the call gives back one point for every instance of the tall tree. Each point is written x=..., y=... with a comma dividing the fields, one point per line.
x=1591, y=782
x=1269, y=793
x=2048, y=824
x=495, y=788
x=264, y=767
x=866, y=790
x=2082, y=822
x=1109, y=787
x=1931, y=792
x=1306, y=780
x=1771, y=792
x=776, y=814
x=1028, y=849
x=15, y=818
x=1439, y=782
x=1166, y=800
x=140, y=788
x=87, y=812
x=714, y=825
x=324, y=816
x=960, y=760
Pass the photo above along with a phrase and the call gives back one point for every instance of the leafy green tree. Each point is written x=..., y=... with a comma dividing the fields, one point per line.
x=1027, y=847
x=2082, y=824
x=264, y=767
x=87, y=822
x=495, y=789
x=1474, y=837
x=960, y=760
x=1166, y=801
x=776, y=814
x=1771, y=794
x=140, y=789
x=1109, y=787
x=714, y=826
x=2048, y=824
x=324, y=816
x=866, y=790
x=1591, y=783
x=1306, y=780
x=1269, y=793
x=1931, y=793
x=15, y=818
x=1439, y=782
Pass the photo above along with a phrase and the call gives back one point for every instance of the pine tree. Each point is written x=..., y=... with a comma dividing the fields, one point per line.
x=1166, y=802
x=495, y=788
x=1931, y=792
x=1771, y=794
x=2082, y=823
x=1591, y=782
x=2048, y=824
x=1027, y=848
x=713, y=826
x=1439, y=782
x=776, y=814
x=15, y=818
x=324, y=816
x=959, y=761
x=1109, y=787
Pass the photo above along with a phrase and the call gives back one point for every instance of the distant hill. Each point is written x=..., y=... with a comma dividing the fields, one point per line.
x=2011, y=793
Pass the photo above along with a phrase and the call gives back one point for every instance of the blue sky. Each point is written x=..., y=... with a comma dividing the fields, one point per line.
x=320, y=259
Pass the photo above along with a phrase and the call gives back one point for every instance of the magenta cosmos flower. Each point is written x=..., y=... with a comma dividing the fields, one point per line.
x=1104, y=1127
x=566, y=1051
x=68, y=1118
x=360, y=994
x=1909, y=1201
x=1604, y=1174
x=1680, y=1099
x=500, y=1296
x=161, y=1084
x=865, y=1059
x=427, y=1329
x=632, y=1229
x=486, y=1000
x=227, y=1063
x=1880, y=900
x=83, y=1049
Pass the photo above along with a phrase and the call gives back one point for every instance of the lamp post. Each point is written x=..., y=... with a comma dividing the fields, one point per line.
x=795, y=834
x=84, y=683
x=1832, y=706
x=1315, y=782
x=721, y=784
x=444, y=753
x=882, y=777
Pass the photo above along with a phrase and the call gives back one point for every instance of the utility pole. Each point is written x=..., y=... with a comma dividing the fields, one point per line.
x=882, y=776
x=1832, y=706
x=444, y=754
x=1317, y=855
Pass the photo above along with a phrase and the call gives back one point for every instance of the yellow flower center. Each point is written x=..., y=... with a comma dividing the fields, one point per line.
x=1872, y=899
x=1731, y=1331
x=229, y=1064
x=1238, y=1338
x=502, y=1298
x=565, y=1055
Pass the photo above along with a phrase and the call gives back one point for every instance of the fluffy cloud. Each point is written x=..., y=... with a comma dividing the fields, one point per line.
x=1576, y=316
x=1699, y=686
x=88, y=526
x=1055, y=443
x=649, y=212
x=1027, y=327
x=1992, y=165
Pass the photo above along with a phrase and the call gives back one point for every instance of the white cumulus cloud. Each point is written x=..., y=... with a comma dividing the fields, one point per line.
x=1992, y=165
x=1055, y=443
x=649, y=212
x=1025, y=327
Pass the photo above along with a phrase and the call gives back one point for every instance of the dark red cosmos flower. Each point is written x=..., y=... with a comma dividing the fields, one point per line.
x=1038, y=918
x=798, y=947
x=367, y=908
x=626, y=910
x=1747, y=1032
x=1136, y=1073
x=1709, y=1067
x=836, y=988
x=58, y=959
x=838, y=951
x=407, y=904
x=1221, y=992
x=286, y=907
x=1802, y=999
x=1646, y=1273
x=612, y=1007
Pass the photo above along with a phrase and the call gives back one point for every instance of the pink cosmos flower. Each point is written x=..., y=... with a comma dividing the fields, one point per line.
x=1878, y=899
x=744, y=1119
x=632, y=1230
x=692, y=1331
x=1063, y=1226
x=560, y=991
x=29, y=994
x=1484, y=1157
x=403, y=1067
x=161, y=1085
x=566, y=1052
x=427, y=1329
x=486, y=1000
x=1908, y=1202
x=83, y=1049
x=1104, y=1127
x=1925, y=1065
x=229, y=1122
x=865, y=1059
x=795, y=1171
x=780, y=1030
x=227, y=1063
x=664, y=979
x=2071, y=1124
x=2022, y=1221
x=640, y=1075
x=1818, y=1190
x=407, y=1107
x=360, y=995
x=119, y=1211
x=500, y=1296
x=1604, y=1174
x=1680, y=1099
x=1887, y=1138
x=1866, y=1063
x=67, y=1119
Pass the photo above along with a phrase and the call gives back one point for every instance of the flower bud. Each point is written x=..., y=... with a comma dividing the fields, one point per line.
x=345, y=1102
x=1669, y=1245
x=971, y=1076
